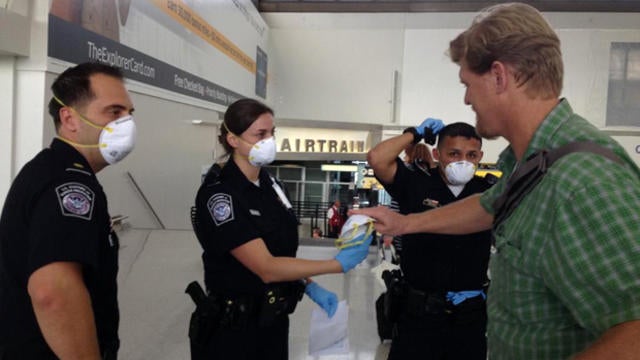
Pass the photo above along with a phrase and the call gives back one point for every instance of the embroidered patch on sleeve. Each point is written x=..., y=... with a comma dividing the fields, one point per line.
x=221, y=208
x=76, y=200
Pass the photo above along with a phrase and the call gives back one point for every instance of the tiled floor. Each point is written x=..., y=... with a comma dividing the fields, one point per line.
x=156, y=266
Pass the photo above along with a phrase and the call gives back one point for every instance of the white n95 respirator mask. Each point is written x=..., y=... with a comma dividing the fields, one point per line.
x=263, y=152
x=459, y=172
x=117, y=139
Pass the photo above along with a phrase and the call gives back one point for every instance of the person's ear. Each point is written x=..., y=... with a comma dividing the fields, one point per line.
x=480, y=155
x=68, y=119
x=500, y=76
x=436, y=154
x=232, y=140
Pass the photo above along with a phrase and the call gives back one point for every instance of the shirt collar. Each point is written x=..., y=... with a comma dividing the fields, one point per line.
x=70, y=154
x=232, y=172
x=544, y=135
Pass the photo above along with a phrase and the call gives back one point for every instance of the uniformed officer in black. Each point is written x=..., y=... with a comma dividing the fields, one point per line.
x=249, y=235
x=58, y=255
x=442, y=314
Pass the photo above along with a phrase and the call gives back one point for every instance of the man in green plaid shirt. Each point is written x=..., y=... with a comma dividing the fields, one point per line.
x=566, y=271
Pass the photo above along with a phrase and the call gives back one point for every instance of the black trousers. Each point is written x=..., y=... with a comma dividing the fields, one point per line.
x=443, y=337
x=251, y=343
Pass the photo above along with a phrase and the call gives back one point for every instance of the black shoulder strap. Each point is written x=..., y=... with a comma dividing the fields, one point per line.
x=531, y=172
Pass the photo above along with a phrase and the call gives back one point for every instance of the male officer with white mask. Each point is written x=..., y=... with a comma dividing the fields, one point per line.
x=439, y=306
x=58, y=254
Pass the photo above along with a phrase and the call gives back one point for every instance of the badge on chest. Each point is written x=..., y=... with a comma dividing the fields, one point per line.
x=430, y=203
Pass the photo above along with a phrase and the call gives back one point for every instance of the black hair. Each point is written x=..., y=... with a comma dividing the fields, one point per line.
x=73, y=86
x=458, y=129
x=239, y=117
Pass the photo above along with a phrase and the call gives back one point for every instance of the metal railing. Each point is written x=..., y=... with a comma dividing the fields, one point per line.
x=315, y=211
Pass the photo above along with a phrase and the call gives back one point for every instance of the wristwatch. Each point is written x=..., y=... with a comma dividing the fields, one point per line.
x=416, y=136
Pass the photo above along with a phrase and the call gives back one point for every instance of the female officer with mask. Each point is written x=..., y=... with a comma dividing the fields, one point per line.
x=249, y=235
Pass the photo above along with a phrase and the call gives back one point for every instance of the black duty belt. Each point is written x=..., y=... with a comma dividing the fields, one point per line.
x=421, y=303
x=236, y=311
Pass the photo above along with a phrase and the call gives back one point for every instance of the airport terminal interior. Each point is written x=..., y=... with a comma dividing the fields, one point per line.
x=340, y=75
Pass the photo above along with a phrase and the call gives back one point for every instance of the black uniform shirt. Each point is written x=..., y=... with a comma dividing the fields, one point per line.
x=233, y=211
x=56, y=211
x=435, y=262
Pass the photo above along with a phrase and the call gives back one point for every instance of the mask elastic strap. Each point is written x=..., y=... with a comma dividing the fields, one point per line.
x=87, y=121
x=234, y=134
x=241, y=139
x=73, y=143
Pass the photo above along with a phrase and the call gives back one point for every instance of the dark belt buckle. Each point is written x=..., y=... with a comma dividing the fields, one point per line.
x=449, y=308
x=417, y=303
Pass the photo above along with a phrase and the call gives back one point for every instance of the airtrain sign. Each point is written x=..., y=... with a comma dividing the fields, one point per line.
x=320, y=145
x=316, y=140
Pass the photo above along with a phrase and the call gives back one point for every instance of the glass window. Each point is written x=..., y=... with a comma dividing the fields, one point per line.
x=313, y=192
x=315, y=174
x=293, y=189
x=290, y=173
x=623, y=103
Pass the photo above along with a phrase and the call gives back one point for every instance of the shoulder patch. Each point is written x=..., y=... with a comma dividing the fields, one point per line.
x=221, y=208
x=76, y=200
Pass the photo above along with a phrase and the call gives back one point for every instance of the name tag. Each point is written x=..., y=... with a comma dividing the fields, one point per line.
x=254, y=212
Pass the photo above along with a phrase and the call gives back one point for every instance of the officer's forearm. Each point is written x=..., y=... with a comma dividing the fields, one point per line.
x=255, y=256
x=63, y=310
x=290, y=269
x=382, y=158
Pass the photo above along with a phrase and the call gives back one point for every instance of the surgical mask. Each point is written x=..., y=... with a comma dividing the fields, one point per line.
x=263, y=152
x=117, y=138
x=459, y=172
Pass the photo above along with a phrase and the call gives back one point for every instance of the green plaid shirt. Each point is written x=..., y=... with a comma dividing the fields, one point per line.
x=567, y=266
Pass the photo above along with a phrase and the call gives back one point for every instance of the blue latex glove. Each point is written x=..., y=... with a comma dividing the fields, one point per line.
x=460, y=296
x=354, y=255
x=327, y=300
x=434, y=124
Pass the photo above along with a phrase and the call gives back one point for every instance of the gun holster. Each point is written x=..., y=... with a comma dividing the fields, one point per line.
x=204, y=320
x=396, y=295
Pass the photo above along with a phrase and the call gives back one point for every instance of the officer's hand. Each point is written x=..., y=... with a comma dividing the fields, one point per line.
x=354, y=255
x=434, y=124
x=327, y=300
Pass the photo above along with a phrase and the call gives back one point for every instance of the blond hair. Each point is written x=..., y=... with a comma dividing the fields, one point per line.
x=515, y=34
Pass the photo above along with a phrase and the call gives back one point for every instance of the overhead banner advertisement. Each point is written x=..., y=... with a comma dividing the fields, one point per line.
x=174, y=45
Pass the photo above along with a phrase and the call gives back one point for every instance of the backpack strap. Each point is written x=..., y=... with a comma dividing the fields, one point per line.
x=531, y=172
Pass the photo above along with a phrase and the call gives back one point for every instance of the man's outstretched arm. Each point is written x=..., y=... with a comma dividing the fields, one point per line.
x=461, y=217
